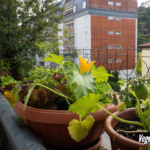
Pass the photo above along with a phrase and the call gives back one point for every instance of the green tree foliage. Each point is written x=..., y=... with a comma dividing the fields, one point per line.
x=24, y=23
x=144, y=23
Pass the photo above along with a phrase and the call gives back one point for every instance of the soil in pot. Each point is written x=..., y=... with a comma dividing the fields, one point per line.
x=130, y=127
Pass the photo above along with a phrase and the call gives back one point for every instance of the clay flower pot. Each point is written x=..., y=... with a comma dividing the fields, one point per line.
x=52, y=125
x=120, y=141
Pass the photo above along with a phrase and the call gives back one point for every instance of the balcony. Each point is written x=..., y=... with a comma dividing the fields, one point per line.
x=66, y=44
x=69, y=4
x=70, y=30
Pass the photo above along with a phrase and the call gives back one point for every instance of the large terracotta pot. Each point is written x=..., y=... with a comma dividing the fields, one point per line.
x=121, y=142
x=52, y=125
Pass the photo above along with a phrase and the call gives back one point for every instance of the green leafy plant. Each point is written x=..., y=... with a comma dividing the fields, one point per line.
x=71, y=80
x=9, y=81
x=4, y=67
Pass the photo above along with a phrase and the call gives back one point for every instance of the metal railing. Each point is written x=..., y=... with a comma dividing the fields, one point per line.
x=122, y=60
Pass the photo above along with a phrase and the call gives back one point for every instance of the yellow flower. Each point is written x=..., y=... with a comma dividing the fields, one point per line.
x=84, y=67
x=139, y=65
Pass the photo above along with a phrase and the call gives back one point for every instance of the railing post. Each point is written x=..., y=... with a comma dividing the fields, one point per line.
x=107, y=58
x=127, y=64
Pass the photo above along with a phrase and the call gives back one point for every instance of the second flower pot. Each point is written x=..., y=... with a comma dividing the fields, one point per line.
x=120, y=141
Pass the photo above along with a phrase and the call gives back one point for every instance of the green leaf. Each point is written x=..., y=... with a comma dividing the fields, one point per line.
x=123, y=84
x=93, y=68
x=133, y=93
x=78, y=130
x=85, y=83
x=86, y=105
x=101, y=74
x=122, y=106
x=55, y=58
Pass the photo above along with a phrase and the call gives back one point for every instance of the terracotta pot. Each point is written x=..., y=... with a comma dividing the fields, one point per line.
x=120, y=141
x=92, y=146
x=52, y=125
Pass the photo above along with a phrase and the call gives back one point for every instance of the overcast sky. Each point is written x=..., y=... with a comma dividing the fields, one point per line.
x=140, y=1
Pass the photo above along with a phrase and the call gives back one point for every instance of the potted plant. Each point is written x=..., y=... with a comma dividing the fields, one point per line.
x=139, y=89
x=9, y=86
x=45, y=102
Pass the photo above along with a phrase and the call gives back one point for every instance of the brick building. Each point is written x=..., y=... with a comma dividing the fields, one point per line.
x=102, y=27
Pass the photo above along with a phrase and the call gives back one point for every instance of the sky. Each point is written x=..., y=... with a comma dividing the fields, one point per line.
x=140, y=1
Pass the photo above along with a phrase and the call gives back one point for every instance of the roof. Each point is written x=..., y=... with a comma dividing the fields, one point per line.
x=146, y=45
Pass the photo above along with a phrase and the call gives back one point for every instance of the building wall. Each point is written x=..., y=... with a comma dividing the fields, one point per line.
x=100, y=39
x=126, y=5
x=82, y=35
x=146, y=60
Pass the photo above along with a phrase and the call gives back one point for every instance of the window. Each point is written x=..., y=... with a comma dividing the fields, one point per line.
x=118, y=18
x=118, y=46
x=118, y=60
x=110, y=61
x=110, y=18
x=110, y=3
x=110, y=46
x=74, y=9
x=75, y=38
x=118, y=32
x=84, y=4
x=86, y=37
x=118, y=4
x=86, y=22
x=110, y=32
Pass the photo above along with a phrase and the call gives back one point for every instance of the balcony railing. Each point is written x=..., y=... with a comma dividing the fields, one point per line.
x=70, y=30
x=69, y=4
x=67, y=44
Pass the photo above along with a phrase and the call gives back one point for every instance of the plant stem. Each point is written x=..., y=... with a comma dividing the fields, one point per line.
x=66, y=77
x=65, y=98
x=140, y=113
x=56, y=92
x=121, y=120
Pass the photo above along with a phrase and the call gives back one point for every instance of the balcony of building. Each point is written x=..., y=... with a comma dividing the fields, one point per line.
x=69, y=4
x=70, y=28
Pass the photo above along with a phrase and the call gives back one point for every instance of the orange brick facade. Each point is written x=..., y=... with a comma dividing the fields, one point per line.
x=126, y=5
x=100, y=39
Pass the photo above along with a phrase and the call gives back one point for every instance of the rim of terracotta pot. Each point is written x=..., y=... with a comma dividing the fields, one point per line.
x=129, y=114
x=55, y=116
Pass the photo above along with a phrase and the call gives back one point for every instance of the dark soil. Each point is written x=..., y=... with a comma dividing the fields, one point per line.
x=130, y=127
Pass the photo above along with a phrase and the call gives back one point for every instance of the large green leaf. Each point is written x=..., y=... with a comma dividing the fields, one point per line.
x=86, y=104
x=101, y=74
x=85, y=83
x=78, y=130
x=58, y=59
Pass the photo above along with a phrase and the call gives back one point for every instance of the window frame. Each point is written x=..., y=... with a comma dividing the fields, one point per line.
x=110, y=61
x=83, y=5
x=112, y=32
x=110, y=17
x=75, y=9
x=118, y=3
x=110, y=3
x=118, y=47
x=118, y=19
x=118, y=60
x=109, y=46
x=118, y=32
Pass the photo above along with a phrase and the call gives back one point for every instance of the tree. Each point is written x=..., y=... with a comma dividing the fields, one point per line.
x=23, y=23
x=144, y=23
